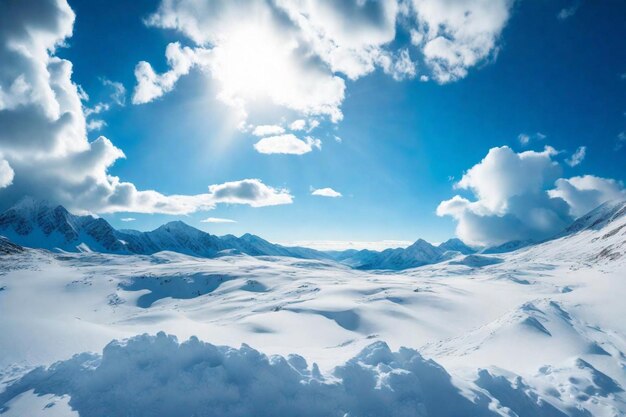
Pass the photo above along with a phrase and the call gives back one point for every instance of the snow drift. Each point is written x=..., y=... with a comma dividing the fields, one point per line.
x=156, y=376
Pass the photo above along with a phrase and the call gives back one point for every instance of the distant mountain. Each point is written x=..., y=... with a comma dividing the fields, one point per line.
x=418, y=254
x=598, y=218
x=456, y=245
x=508, y=246
x=37, y=224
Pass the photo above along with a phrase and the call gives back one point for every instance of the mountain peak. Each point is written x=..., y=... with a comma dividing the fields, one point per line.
x=456, y=245
x=421, y=243
x=28, y=204
x=176, y=225
x=598, y=217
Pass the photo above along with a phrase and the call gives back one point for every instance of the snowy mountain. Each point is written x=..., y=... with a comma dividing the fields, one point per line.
x=456, y=245
x=418, y=254
x=600, y=217
x=511, y=246
x=38, y=224
x=8, y=248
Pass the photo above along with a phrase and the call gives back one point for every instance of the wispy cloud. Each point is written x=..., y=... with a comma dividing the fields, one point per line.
x=570, y=11
x=525, y=138
x=217, y=220
x=621, y=141
x=326, y=192
x=577, y=157
x=128, y=219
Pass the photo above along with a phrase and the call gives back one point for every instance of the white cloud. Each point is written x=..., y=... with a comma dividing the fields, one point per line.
x=456, y=35
x=570, y=11
x=287, y=144
x=313, y=124
x=118, y=95
x=296, y=53
x=254, y=54
x=326, y=192
x=298, y=124
x=577, y=157
x=524, y=139
x=217, y=220
x=43, y=129
x=250, y=191
x=350, y=36
x=151, y=85
x=504, y=174
x=585, y=193
x=266, y=130
x=511, y=202
x=6, y=174
x=513, y=199
x=95, y=124
x=128, y=219
x=400, y=66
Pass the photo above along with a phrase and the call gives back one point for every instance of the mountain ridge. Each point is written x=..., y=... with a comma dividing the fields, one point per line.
x=38, y=224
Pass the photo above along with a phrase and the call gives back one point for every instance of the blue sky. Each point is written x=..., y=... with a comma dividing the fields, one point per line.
x=404, y=142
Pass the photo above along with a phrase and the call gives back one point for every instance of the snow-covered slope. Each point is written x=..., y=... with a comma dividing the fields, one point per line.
x=536, y=332
x=7, y=247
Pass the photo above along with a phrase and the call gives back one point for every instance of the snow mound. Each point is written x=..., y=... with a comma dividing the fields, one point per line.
x=477, y=261
x=156, y=376
x=178, y=287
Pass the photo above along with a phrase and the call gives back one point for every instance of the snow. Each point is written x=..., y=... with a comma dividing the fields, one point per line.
x=535, y=332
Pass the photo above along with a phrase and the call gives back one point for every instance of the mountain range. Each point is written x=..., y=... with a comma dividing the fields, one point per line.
x=38, y=224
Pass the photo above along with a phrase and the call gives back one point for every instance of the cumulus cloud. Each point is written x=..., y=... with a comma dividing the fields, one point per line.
x=43, y=128
x=457, y=35
x=267, y=130
x=577, y=157
x=585, y=193
x=287, y=144
x=514, y=198
x=326, y=192
x=249, y=191
x=297, y=53
x=217, y=220
x=511, y=202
